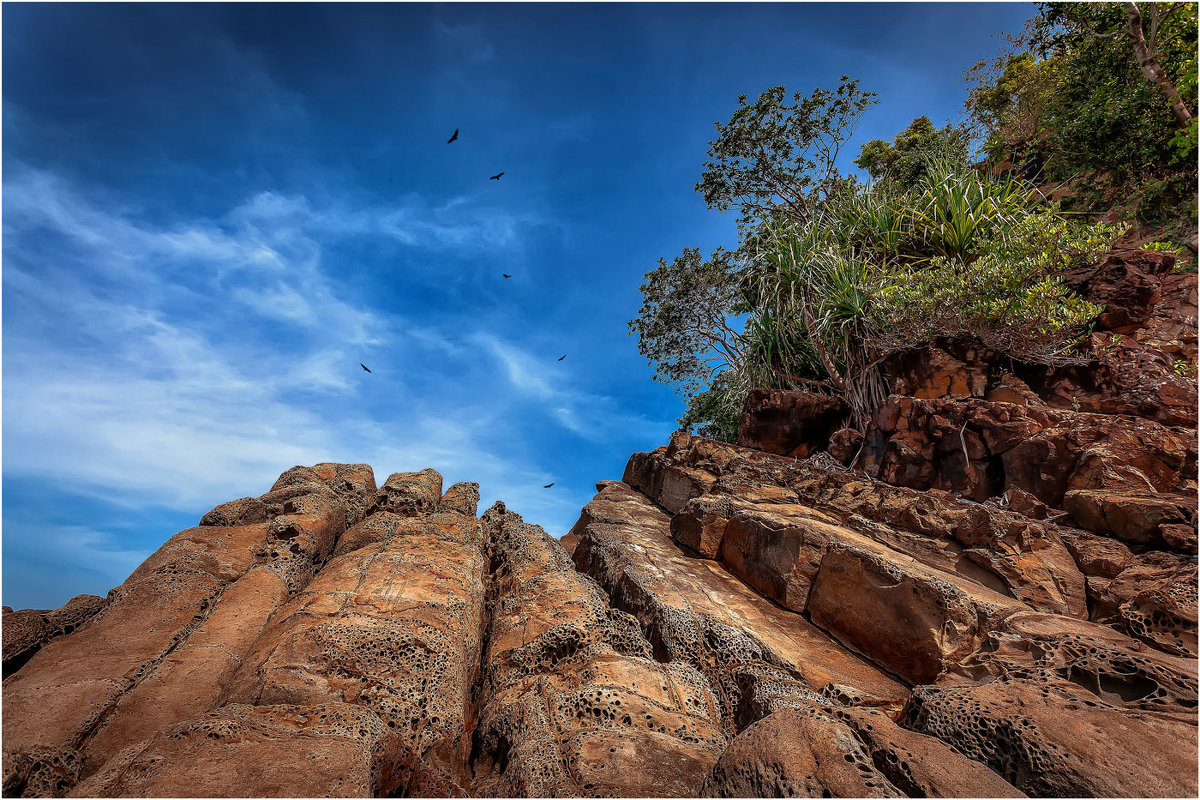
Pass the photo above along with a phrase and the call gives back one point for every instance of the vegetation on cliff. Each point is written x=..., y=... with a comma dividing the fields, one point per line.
x=959, y=232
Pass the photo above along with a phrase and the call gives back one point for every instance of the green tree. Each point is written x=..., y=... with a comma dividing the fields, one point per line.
x=1100, y=98
x=905, y=160
x=832, y=276
x=683, y=324
x=778, y=157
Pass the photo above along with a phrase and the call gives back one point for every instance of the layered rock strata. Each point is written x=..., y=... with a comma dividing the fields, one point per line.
x=989, y=592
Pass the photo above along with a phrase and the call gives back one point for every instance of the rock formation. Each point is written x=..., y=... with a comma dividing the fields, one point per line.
x=990, y=592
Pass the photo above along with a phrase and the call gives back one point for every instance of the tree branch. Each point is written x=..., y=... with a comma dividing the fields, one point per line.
x=1148, y=63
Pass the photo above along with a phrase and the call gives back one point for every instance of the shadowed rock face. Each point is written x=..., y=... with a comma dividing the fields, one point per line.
x=992, y=592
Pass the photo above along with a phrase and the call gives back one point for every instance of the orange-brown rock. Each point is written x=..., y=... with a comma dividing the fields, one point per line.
x=846, y=752
x=1059, y=739
x=77, y=685
x=979, y=449
x=571, y=702
x=789, y=423
x=27, y=630
x=334, y=750
x=697, y=612
x=1126, y=283
x=408, y=493
x=991, y=592
x=394, y=627
x=1126, y=376
x=943, y=369
x=1172, y=327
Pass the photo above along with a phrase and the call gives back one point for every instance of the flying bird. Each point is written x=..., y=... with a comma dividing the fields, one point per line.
x=548, y=485
x=564, y=355
x=364, y=366
x=505, y=274
x=496, y=177
x=452, y=138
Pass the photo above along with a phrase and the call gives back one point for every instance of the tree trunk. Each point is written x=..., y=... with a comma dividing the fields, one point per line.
x=1150, y=67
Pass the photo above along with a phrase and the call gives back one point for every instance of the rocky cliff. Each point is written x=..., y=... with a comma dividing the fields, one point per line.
x=992, y=592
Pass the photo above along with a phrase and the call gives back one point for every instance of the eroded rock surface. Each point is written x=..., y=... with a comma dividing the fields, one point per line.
x=989, y=592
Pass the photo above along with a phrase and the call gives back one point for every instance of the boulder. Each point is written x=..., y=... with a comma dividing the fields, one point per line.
x=1127, y=284
x=789, y=423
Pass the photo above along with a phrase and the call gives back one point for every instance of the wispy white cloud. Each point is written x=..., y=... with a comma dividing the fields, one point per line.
x=176, y=393
x=521, y=369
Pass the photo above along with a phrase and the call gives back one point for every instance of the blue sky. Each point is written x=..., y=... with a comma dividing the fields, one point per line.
x=213, y=213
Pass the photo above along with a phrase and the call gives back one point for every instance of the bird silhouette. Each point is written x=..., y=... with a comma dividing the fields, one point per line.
x=548, y=485
x=564, y=355
x=505, y=274
x=496, y=177
x=364, y=366
x=452, y=138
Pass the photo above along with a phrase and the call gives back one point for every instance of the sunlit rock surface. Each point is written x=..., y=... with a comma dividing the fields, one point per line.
x=990, y=592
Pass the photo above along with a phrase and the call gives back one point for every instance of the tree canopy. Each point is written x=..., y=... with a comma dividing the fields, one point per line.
x=1099, y=98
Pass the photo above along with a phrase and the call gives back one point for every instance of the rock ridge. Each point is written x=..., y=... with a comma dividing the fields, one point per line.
x=991, y=591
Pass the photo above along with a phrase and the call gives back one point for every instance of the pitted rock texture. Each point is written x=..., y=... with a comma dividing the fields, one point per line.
x=572, y=702
x=27, y=630
x=990, y=592
x=1033, y=651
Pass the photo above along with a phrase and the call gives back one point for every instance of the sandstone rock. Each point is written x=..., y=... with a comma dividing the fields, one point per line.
x=1172, y=326
x=1154, y=600
x=1179, y=537
x=248, y=751
x=27, y=630
x=979, y=449
x=945, y=369
x=1058, y=740
x=1096, y=555
x=569, y=542
x=845, y=445
x=409, y=493
x=571, y=703
x=797, y=754
x=913, y=620
x=1127, y=284
x=40, y=771
x=188, y=681
x=729, y=621
x=73, y=684
x=999, y=550
x=1126, y=377
x=1059, y=706
x=377, y=527
x=701, y=524
x=696, y=612
x=1022, y=502
x=854, y=752
x=461, y=498
x=789, y=423
x=1135, y=517
x=392, y=626
x=243, y=511
x=920, y=765
x=1011, y=389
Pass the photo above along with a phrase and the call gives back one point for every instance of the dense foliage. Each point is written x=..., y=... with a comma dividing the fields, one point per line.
x=777, y=157
x=1069, y=102
x=1093, y=105
x=903, y=161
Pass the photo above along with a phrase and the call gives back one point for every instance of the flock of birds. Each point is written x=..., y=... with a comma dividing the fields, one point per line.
x=496, y=177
